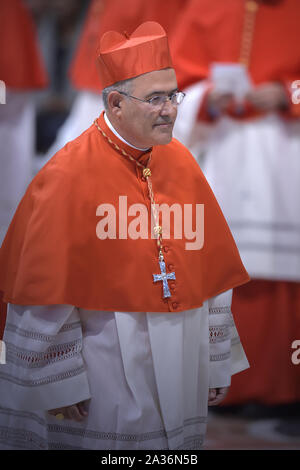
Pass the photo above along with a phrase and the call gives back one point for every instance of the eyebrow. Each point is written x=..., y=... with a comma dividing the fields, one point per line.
x=159, y=92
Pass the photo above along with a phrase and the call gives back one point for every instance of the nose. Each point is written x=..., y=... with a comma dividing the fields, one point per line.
x=168, y=107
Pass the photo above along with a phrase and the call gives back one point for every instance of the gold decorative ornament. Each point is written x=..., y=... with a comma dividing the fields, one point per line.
x=251, y=5
x=146, y=172
x=251, y=9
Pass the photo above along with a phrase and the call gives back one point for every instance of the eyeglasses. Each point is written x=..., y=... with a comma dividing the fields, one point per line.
x=159, y=100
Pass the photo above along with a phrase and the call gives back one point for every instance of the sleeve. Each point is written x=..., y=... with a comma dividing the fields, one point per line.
x=227, y=356
x=44, y=365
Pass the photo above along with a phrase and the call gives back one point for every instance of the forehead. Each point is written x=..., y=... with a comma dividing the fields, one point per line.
x=157, y=81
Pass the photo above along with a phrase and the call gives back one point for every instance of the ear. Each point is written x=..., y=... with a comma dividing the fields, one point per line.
x=114, y=101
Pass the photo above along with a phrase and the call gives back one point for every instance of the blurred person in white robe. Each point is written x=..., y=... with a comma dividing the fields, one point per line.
x=21, y=71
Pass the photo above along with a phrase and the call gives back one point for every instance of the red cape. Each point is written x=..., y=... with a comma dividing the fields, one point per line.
x=21, y=66
x=51, y=254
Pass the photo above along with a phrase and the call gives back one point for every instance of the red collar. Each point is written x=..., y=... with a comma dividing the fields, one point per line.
x=139, y=155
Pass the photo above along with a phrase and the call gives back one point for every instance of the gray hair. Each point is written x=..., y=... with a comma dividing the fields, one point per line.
x=124, y=85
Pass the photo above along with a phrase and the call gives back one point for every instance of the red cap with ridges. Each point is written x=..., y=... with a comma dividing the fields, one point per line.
x=121, y=57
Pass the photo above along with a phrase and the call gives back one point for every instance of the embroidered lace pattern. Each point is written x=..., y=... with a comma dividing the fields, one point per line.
x=192, y=443
x=219, y=333
x=215, y=310
x=226, y=331
x=23, y=414
x=39, y=336
x=220, y=357
x=21, y=438
x=44, y=380
x=86, y=433
x=33, y=359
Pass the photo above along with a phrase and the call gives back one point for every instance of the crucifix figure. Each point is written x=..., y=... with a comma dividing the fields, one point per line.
x=164, y=277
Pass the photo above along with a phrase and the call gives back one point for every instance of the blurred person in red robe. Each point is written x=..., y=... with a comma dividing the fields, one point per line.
x=238, y=62
x=21, y=72
x=59, y=25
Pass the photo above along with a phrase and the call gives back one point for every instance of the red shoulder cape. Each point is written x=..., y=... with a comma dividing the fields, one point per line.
x=52, y=255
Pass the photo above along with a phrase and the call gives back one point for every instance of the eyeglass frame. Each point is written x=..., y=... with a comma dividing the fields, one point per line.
x=166, y=98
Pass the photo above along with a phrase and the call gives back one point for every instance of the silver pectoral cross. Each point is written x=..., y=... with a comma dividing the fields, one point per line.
x=164, y=277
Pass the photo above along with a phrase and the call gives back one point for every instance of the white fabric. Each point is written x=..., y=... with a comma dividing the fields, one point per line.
x=253, y=168
x=147, y=375
x=225, y=358
x=119, y=136
x=36, y=339
x=16, y=155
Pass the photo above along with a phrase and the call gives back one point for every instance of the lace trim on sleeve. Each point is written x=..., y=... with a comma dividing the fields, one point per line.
x=33, y=359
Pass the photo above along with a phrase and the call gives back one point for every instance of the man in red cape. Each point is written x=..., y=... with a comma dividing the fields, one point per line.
x=248, y=147
x=119, y=330
x=102, y=16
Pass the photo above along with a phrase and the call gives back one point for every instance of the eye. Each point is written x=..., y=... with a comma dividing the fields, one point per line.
x=156, y=100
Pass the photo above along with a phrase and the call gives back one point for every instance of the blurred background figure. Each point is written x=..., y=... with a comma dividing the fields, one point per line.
x=237, y=61
x=37, y=37
x=22, y=71
x=59, y=24
x=102, y=16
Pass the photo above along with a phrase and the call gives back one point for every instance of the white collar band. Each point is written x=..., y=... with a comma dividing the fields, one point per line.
x=119, y=136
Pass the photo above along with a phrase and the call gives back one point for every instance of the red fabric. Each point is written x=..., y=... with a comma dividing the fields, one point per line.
x=2, y=315
x=267, y=316
x=213, y=33
x=117, y=15
x=21, y=65
x=121, y=57
x=51, y=254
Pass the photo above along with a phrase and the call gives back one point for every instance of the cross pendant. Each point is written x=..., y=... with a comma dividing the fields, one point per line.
x=164, y=277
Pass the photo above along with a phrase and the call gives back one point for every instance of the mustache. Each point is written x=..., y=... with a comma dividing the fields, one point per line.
x=165, y=121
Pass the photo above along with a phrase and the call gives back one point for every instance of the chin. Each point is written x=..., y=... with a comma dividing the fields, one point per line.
x=164, y=139
x=167, y=139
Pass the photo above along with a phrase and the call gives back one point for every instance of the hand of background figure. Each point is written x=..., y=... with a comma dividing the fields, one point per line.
x=76, y=412
x=268, y=97
x=218, y=101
